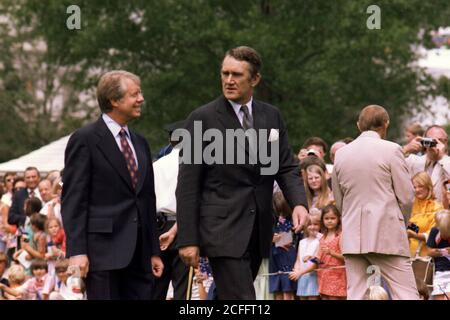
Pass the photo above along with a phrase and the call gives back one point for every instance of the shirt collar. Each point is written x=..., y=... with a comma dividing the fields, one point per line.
x=371, y=134
x=237, y=106
x=113, y=126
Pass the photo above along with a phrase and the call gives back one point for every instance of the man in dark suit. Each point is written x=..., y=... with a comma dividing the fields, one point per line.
x=108, y=197
x=16, y=215
x=224, y=210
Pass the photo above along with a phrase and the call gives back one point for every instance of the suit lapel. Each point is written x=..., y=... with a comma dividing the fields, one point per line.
x=142, y=161
x=108, y=146
x=259, y=117
x=226, y=114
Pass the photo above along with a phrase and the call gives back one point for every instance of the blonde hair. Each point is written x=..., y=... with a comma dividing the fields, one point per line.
x=56, y=185
x=443, y=223
x=50, y=220
x=322, y=199
x=423, y=179
x=16, y=274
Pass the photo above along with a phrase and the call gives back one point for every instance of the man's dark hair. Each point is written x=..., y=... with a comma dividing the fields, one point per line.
x=315, y=141
x=32, y=205
x=38, y=264
x=249, y=55
x=347, y=140
x=33, y=169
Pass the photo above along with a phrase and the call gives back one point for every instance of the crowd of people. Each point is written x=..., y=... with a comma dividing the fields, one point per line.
x=32, y=239
x=115, y=225
x=427, y=229
x=307, y=265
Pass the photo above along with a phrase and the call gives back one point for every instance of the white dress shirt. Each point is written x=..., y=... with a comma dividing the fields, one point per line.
x=237, y=109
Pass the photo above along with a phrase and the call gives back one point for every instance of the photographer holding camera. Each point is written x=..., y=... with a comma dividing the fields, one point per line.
x=435, y=162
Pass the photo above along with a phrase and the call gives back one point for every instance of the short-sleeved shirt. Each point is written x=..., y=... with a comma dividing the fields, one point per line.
x=441, y=263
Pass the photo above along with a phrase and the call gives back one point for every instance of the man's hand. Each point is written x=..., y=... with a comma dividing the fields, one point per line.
x=190, y=255
x=436, y=153
x=165, y=240
x=302, y=154
x=82, y=262
x=299, y=217
x=157, y=266
x=414, y=146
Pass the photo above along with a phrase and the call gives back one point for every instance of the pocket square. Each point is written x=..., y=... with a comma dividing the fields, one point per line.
x=273, y=136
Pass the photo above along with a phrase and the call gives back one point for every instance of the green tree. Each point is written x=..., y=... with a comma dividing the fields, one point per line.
x=321, y=62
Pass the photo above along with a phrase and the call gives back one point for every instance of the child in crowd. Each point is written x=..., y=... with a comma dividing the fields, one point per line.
x=202, y=280
x=307, y=286
x=438, y=244
x=16, y=279
x=3, y=266
x=331, y=274
x=318, y=193
x=56, y=243
x=283, y=253
x=61, y=289
x=424, y=209
x=36, y=246
x=32, y=288
x=54, y=206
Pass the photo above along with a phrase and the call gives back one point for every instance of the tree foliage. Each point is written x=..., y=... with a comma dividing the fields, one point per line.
x=321, y=64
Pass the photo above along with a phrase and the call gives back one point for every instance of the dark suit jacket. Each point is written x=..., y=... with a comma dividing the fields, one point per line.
x=16, y=213
x=217, y=204
x=100, y=208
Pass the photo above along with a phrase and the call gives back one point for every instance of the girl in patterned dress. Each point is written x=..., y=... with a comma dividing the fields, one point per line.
x=331, y=274
x=283, y=253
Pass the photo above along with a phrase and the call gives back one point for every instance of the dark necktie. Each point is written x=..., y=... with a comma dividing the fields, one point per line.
x=129, y=157
x=31, y=195
x=247, y=121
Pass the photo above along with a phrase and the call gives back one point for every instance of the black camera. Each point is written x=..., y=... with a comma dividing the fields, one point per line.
x=428, y=142
x=414, y=227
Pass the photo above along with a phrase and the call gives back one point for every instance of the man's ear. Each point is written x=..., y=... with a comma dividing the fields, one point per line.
x=255, y=80
x=357, y=124
x=114, y=103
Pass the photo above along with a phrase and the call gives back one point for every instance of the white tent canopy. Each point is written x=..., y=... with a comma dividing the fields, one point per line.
x=45, y=159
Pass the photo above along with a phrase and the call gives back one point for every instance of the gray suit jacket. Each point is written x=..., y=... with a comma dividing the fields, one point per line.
x=374, y=192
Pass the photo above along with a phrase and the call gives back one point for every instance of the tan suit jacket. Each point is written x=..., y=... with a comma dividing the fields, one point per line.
x=373, y=191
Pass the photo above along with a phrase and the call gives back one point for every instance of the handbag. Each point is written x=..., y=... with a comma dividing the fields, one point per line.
x=423, y=268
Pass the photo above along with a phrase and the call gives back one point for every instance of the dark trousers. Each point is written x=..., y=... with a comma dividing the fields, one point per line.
x=130, y=283
x=174, y=269
x=234, y=277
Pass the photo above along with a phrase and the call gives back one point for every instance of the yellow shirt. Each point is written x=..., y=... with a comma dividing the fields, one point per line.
x=422, y=215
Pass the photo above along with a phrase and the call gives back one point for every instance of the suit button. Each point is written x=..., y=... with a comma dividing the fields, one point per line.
x=252, y=211
x=135, y=220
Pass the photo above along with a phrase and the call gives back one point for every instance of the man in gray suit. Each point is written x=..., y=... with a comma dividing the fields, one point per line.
x=373, y=190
